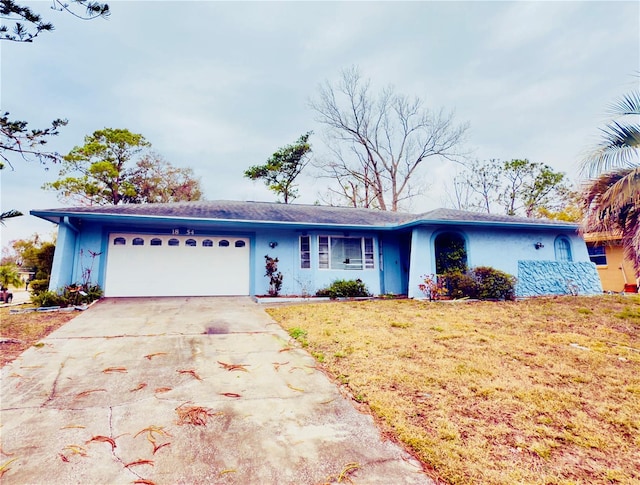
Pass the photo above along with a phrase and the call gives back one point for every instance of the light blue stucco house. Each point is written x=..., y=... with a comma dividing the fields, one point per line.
x=219, y=248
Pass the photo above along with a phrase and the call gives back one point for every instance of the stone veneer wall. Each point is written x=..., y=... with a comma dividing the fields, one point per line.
x=537, y=278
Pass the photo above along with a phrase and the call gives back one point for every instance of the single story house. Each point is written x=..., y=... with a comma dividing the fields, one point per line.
x=218, y=248
x=616, y=272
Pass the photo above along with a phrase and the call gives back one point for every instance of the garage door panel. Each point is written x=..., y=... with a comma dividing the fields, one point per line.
x=181, y=270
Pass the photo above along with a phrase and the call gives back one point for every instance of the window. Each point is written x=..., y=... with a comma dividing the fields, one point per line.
x=323, y=252
x=156, y=241
x=239, y=244
x=224, y=243
x=305, y=252
x=119, y=241
x=174, y=242
x=368, y=253
x=190, y=242
x=597, y=254
x=207, y=243
x=562, y=248
x=138, y=241
x=346, y=253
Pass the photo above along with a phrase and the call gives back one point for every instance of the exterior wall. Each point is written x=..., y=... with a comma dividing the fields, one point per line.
x=501, y=249
x=85, y=255
x=63, y=257
x=306, y=281
x=536, y=278
x=611, y=274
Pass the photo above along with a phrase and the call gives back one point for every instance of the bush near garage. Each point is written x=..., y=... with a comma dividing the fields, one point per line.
x=69, y=296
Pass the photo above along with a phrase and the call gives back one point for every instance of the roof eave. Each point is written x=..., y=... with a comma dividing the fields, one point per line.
x=57, y=216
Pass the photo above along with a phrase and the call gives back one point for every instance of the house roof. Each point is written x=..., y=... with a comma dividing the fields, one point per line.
x=287, y=214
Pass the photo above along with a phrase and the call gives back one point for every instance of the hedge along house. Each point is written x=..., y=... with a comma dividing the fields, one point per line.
x=219, y=248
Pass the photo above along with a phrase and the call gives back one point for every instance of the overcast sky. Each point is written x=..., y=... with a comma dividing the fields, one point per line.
x=219, y=86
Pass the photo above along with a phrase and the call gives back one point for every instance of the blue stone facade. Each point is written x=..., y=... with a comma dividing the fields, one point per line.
x=537, y=278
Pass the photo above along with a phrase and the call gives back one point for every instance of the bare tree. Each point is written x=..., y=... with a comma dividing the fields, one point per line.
x=381, y=140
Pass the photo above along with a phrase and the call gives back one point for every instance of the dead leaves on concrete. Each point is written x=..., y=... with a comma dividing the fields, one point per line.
x=195, y=415
x=191, y=372
x=152, y=433
x=4, y=468
x=140, y=462
x=90, y=391
x=232, y=367
x=103, y=439
x=110, y=370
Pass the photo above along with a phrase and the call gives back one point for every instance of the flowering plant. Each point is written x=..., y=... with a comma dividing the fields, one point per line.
x=431, y=287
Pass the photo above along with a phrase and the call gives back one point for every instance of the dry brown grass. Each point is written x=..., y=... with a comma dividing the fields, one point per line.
x=28, y=328
x=544, y=391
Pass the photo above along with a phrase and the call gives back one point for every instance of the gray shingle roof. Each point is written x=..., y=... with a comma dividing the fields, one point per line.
x=291, y=213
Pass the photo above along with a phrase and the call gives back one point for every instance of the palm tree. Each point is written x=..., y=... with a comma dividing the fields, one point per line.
x=612, y=195
x=9, y=276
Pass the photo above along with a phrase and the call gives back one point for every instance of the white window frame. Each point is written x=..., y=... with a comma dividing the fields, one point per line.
x=367, y=252
x=305, y=253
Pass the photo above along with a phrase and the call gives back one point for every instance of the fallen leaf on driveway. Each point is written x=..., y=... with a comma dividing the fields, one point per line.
x=140, y=462
x=4, y=468
x=190, y=372
x=231, y=367
x=114, y=369
x=104, y=439
x=151, y=356
x=86, y=393
x=157, y=447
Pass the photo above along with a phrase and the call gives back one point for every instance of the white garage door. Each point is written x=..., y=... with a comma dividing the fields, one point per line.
x=149, y=265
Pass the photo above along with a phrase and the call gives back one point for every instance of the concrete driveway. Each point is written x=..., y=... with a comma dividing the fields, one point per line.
x=184, y=391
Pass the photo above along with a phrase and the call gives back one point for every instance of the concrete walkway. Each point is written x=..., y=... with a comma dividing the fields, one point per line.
x=184, y=391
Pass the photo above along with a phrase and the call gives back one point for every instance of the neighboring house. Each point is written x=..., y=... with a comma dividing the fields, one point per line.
x=616, y=272
x=219, y=248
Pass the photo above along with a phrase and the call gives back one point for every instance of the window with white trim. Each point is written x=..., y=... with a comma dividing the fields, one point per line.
x=345, y=253
x=305, y=252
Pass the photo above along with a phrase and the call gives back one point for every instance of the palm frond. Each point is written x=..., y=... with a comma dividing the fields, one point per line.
x=8, y=215
x=629, y=104
x=611, y=199
x=619, y=147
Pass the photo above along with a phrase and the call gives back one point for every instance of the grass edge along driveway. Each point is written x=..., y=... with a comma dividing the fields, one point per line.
x=541, y=391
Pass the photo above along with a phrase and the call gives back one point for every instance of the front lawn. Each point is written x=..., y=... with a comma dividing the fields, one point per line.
x=543, y=391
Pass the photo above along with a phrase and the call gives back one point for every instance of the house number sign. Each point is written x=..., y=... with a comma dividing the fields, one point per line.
x=184, y=232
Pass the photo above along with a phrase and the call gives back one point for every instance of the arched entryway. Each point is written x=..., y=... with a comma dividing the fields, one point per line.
x=451, y=252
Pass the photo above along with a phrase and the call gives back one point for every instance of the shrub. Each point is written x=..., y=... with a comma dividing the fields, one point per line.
x=70, y=295
x=39, y=286
x=483, y=282
x=344, y=289
x=48, y=298
x=461, y=285
x=494, y=284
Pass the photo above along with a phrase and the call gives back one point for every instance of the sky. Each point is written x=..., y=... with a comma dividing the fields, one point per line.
x=220, y=86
